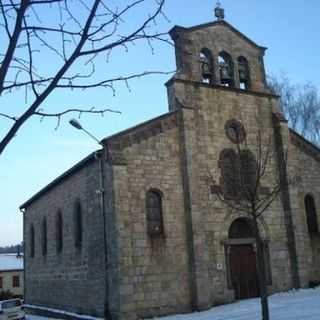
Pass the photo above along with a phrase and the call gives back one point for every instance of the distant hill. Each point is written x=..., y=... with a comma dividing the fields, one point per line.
x=12, y=249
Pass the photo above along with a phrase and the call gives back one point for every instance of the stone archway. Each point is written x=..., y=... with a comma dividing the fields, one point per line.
x=241, y=256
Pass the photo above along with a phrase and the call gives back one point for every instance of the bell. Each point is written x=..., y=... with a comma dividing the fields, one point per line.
x=225, y=73
x=243, y=74
x=206, y=70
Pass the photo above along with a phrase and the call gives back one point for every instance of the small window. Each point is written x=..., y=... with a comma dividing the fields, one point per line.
x=16, y=281
x=59, y=232
x=244, y=73
x=311, y=213
x=77, y=217
x=206, y=65
x=226, y=69
x=44, y=237
x=32, y=241
x=154, y=212
x=1, y=283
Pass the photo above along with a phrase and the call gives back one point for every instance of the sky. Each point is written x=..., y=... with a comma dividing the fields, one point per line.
x=39, y=153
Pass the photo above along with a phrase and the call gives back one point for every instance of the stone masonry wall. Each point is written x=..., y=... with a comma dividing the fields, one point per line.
x=217, y=38
x=307, y=167
x=73, y=280
x=153, y=271
x=206, y=111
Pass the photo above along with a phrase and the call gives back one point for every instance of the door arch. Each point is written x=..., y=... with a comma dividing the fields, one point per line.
x=242, y=260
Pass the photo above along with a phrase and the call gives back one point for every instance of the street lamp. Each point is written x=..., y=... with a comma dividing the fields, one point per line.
x=99, y=155
x=76, y=124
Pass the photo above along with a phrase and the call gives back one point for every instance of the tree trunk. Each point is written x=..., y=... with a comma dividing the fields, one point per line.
x=261, y=268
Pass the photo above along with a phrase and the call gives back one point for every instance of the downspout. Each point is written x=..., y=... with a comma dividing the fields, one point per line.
x=100, y=156
x=23, y=211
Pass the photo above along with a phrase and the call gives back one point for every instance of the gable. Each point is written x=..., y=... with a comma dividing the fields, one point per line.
x=212, y=28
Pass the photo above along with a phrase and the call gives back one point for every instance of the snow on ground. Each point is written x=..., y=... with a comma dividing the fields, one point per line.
x=293, y=305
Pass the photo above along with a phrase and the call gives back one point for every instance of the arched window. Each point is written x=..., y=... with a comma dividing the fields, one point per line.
x=206, y=65
x=229, y=180
x=154, y=212
x=226, y=69
x=59, y=232
x=77, y=222
x=32, y=241
x=240, y=229
x=244, y=73
x=311, y=213
x=248, y=173
x=44, y=237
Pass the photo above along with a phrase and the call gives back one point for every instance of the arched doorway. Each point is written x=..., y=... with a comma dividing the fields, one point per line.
x=242, y=260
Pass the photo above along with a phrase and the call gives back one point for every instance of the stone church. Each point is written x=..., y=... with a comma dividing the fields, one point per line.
x=134, y=230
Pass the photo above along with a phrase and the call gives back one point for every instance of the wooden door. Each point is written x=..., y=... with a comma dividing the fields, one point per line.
x=244, y=271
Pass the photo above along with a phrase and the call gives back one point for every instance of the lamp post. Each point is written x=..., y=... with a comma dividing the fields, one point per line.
x=101, y=191
x=76, y=124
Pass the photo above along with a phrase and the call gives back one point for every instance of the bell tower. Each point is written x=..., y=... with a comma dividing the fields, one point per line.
x=220, y=85
x=217, y=54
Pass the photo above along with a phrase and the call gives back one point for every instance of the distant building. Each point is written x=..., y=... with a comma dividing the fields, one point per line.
x=134, y=232
x=11, y=274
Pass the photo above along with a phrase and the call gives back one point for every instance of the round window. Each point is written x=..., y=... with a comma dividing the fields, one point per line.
x=235, y=131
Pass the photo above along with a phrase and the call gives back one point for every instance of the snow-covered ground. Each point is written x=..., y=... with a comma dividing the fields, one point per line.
x=293, y=305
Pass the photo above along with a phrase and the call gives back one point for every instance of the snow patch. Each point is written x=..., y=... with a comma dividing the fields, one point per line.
x=57, y=311
x=292, y=305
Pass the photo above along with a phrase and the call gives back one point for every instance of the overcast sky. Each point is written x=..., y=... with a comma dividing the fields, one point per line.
x=39, y=153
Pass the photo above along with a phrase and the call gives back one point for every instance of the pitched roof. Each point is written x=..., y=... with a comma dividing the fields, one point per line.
x=212, y=24
x=60, y=178
x=11, y=262
x=305, y=145
x=90, y=158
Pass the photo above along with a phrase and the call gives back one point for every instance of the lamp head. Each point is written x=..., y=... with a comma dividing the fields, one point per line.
x=76, y=124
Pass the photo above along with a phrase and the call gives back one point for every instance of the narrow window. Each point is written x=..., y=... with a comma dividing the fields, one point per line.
x=154, y=212
x=206, y=66
x=226, y=69
x=248, y=174
x=77, y=225
x=1, y=283
x=311, y=213
x=32, y=241
x=44, y=236
x=244, y=73
x=59, y=232
x=229, y=180
x=15, y=281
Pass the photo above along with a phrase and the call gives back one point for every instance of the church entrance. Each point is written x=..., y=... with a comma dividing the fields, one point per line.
x=243, y=269
x=242, y=260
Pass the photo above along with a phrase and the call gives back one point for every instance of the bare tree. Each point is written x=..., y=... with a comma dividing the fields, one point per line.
x=73, y=37
x=242, y=189
x=300, y=105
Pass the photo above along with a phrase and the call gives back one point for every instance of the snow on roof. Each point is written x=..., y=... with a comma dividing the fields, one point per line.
x=10, y=261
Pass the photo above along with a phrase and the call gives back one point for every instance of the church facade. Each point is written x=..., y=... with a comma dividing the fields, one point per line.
x=135, y=231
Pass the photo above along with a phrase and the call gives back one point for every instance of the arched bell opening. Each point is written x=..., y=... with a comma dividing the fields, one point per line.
x=206, y=66
x=226, y=69
x=244, y=73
